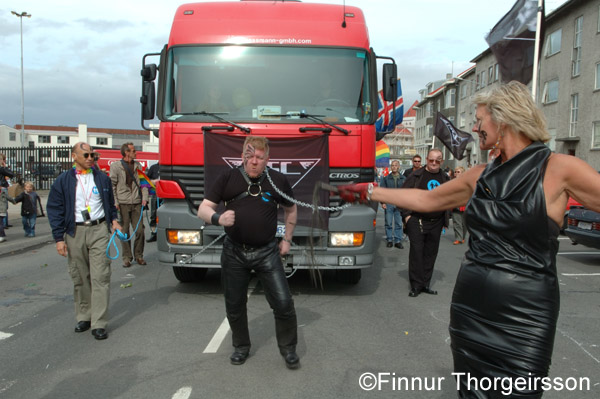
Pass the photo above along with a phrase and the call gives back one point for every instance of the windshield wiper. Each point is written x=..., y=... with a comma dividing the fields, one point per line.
x=217, y=117
x=316, y=118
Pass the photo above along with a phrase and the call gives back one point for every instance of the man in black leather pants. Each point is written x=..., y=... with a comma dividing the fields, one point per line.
x=250, y=221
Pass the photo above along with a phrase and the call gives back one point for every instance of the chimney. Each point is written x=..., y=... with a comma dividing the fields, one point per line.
x=82, y=129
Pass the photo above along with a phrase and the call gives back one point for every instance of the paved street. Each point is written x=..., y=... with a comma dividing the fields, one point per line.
x=165, y=343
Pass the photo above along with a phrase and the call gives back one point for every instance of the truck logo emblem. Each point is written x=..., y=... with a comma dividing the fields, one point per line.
x=294, y=169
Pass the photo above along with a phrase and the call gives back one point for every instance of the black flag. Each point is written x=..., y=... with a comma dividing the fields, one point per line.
x=455, y=140
x=512, y=41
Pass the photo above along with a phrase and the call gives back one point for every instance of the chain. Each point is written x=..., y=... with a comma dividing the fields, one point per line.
x=287, y=197
x=304, y=204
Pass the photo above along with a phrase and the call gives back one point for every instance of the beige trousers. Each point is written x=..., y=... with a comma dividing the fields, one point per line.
x=89, y=268
x=130, y=215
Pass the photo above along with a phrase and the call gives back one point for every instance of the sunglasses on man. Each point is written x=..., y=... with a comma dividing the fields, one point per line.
x=86, y=155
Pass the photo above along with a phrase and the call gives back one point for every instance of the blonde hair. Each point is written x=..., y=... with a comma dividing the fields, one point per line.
x=27, y=183
x=511, y=104
x=459, y=168
x=258, y=142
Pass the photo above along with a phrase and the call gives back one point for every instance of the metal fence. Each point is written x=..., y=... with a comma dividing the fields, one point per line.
x=40, y=165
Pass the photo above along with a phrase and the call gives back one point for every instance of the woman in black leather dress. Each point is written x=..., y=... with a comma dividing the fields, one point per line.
x=506, y=299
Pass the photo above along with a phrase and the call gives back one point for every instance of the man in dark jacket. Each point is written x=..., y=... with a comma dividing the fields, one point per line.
x=416, y=160
x=81, y=211
x=424, y=230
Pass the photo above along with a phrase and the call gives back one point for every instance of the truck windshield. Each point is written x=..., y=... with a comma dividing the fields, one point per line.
x=255, y=84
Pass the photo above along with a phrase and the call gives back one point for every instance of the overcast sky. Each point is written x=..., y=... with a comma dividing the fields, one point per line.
x=82, y=59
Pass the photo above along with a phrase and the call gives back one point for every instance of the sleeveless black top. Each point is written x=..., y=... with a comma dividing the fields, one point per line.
x=506, y=299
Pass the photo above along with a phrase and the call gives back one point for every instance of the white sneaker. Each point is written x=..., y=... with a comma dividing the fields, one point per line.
x=2, y=239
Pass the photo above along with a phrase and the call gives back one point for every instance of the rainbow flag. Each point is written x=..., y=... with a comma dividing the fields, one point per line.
x=146, y=182
x=382, y=154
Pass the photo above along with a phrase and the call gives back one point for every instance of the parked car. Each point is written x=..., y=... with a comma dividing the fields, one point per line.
x=45, y=171
x=571, y=203
x=583, y=227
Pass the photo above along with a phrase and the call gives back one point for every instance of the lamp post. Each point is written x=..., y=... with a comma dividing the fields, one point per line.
x=21, y=15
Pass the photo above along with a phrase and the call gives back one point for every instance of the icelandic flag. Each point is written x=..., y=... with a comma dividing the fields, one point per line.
x=146, y=182
x=384, y=121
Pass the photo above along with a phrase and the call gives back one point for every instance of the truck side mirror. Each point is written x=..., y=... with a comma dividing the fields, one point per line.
x=148, y=72
x=390, y=82
x=148, y=99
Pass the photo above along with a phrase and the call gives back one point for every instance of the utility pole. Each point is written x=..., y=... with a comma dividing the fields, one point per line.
x=21, y=15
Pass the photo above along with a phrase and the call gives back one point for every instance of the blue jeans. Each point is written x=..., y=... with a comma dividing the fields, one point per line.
x=393, y=224
x=29, y=224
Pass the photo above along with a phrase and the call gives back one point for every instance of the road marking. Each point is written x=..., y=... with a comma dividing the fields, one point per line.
x=182, y=393
x=217, y=339
x=4, y=335
x=580, y=274
x=579, y=345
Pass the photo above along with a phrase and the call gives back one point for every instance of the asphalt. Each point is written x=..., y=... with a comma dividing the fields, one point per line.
x=16, y=242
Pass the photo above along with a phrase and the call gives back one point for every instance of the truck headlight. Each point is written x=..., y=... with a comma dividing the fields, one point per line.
x=184, y=237
x=348, y=239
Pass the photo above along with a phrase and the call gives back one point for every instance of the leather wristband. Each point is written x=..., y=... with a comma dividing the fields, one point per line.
x=214, y=219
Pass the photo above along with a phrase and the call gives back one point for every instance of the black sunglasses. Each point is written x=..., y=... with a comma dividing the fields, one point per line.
x=86, y=155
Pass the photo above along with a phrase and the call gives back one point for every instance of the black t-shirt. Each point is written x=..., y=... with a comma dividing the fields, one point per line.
x=255, y=216
x=429, y=181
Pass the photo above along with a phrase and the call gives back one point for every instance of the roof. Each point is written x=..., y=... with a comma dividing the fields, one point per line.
x=411, y=111
x=89, y=129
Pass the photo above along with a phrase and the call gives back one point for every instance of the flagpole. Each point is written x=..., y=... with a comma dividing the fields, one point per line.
x=536, y=54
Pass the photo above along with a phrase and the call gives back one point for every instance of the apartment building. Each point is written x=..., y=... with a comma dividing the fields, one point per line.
x=568, y=88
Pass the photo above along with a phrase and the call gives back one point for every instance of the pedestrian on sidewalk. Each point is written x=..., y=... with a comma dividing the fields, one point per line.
x=81, y=211
x=3, y=211
x=29, y=212
x=5, y=175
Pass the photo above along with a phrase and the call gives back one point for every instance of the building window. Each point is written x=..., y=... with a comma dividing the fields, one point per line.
x=478, y=83
x=574, y=114
x=496, y=72
x=63, y=154
x=596, y=135
x=12, y=136
x=576, y=59
x=101, y=141
x=62, y=139
x=450, y=100
x=597, y=85
x=553, y=42
x=44, y=139
x=483, y=79
x=550, y=91
x=490, y=75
